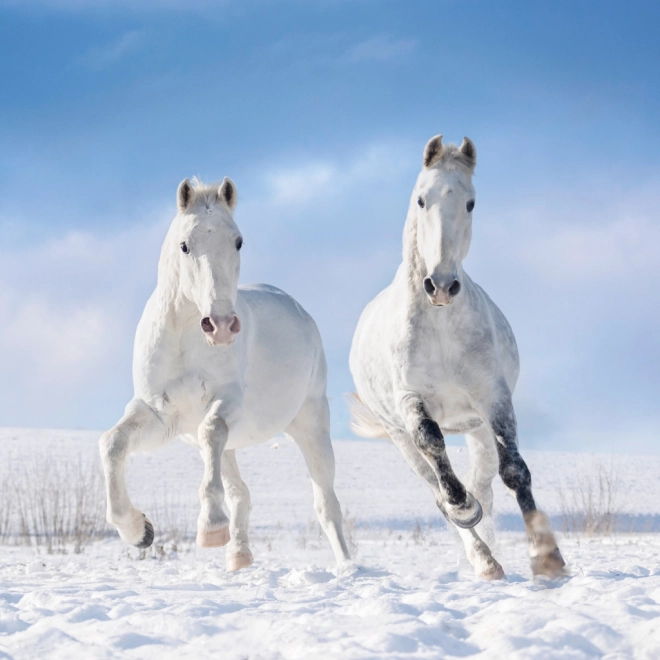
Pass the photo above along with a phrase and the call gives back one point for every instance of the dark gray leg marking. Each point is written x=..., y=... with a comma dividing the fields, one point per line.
x=148, y=537
x=513, y=469
x=429, y=440
x=516, y=476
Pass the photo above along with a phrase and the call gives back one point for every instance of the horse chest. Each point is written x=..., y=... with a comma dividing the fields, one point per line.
x=196, y=376
x=430, y=357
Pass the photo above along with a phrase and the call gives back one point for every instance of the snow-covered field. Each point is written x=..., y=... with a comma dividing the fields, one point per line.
x=409, y=596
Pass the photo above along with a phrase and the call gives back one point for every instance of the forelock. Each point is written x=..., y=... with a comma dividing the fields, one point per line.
x=204, y=193
x=453, y=158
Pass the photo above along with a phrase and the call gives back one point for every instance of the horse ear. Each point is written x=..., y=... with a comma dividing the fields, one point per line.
x=184, y=195
x=433, y=151
x=227, y=193
x=469, y=152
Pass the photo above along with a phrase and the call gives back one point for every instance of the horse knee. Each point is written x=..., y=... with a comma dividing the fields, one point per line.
x=239, y=495
x=428, y=437
x=113, y=446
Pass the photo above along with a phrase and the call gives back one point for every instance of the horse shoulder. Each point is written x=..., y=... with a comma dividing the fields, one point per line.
x=504, y=347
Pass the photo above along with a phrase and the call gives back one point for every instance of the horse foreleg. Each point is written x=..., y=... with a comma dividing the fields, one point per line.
x=139, y=426
x=238, y=502
x=212, y=524
x=545, y=556
x=476, y=550
x=311, y=432
x=461, y=506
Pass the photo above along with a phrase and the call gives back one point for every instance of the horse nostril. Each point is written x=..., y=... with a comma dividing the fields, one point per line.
x=429, y=287
x=235, y=326
x=207, y=325
x=454, y=288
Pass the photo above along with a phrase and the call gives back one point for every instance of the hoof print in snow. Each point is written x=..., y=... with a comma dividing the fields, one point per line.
x=148, y=537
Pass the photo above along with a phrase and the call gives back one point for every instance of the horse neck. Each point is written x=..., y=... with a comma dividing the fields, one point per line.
x=412, y=268
x=171, y=309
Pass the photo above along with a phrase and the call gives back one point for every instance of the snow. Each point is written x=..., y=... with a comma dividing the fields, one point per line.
x=409, y=594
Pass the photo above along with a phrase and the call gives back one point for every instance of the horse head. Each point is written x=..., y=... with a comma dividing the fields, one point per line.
x=442, y=204
x=208, y=244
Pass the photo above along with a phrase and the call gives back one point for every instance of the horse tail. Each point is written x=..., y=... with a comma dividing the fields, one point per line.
x=363, y=421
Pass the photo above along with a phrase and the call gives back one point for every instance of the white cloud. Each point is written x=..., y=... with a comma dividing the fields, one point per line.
x=67, y=316
x=57, y=340
x=105, y=55
x=380, y=49
x=614, y=248
x=300, y=185
x=307, y=184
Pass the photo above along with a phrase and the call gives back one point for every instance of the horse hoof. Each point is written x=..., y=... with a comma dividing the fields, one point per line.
x=214, y=539
x=550, y=565
x=466, y=515
x=148, y=537
x=495, y=572
x=239, y=560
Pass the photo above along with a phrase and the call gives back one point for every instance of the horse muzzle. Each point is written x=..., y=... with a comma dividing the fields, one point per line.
x=441, y=293
x=220, y=331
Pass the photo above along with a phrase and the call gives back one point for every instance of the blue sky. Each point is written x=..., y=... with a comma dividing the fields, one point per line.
x=320, y=112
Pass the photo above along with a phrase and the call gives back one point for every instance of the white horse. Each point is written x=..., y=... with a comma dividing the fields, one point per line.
x=224, y=367
x=432, y=354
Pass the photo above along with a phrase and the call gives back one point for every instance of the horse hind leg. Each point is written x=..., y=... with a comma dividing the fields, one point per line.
x=311, y=431
x=238, y=501
x=476, y=550
x=484, y=464
x=139, y=427
x=544, y=553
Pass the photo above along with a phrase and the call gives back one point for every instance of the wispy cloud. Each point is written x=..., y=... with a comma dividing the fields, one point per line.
x=101, y=56
x=615, y=249
x=380, y=49
x=67, y=321
x=310, y=183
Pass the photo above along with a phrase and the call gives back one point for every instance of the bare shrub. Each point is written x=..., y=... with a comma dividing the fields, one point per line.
x=591, y=505
x=350, y=528
x=173, y=520
x=59, y=503
x=418, y=536
x=6, y=503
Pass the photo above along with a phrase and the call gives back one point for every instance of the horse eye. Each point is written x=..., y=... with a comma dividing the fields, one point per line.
x=469, y=206
x=239, y=243
x=420, y=202
x=184, y=248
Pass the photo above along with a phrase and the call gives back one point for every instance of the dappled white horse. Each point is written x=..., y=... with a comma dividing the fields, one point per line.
x=224, y=367
x=433, y=355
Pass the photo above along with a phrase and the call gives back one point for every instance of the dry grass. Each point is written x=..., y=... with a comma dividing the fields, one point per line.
x=58, y=505
x=591, y=504
x=174, y=520
x=350, y=530
x=6, y=501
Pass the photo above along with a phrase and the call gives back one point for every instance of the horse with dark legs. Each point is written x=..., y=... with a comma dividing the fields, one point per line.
x=433, y=355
